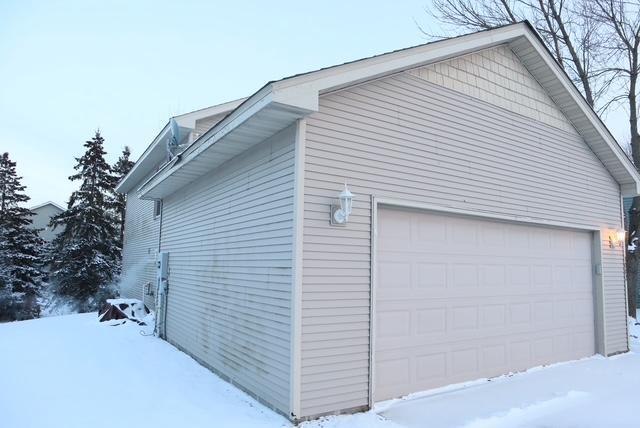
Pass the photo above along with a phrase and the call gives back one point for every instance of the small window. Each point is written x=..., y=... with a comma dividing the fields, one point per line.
x=157, y=208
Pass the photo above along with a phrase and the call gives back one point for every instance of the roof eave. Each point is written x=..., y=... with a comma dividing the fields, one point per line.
x=142, y=168
x=262, y=115
x=188, y=120
x=44, y=204
x=630, y=190
x=139, y=170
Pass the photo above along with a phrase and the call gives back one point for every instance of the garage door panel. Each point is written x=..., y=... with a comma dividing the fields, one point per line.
x=494, y=312
x=411, y=271
x=419, y=368
x=437, y=325
x=494, y=292
x=464, y=298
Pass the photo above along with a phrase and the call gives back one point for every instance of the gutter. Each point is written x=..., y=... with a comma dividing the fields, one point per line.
x=140, y=161
x=239, y=115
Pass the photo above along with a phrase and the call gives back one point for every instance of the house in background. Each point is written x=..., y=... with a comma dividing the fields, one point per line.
x=479, y=234
x=41, y=218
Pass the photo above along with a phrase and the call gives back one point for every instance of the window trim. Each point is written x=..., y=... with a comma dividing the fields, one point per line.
x=157, y=208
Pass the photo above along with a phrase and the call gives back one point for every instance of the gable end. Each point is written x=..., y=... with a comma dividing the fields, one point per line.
x=497, y=76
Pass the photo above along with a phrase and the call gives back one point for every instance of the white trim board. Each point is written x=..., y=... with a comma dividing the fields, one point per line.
x=488, y=215
x=297, y=256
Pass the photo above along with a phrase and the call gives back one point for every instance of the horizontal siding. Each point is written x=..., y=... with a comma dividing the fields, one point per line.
x=229, y=238
x=405, y=138
x=615, y=297
x=140, y=247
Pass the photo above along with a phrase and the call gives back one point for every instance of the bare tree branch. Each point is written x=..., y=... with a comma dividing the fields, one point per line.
x=568, y=34
x=597, y=42
x=620, y=25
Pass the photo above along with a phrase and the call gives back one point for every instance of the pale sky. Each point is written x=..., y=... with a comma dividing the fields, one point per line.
x=70, y=67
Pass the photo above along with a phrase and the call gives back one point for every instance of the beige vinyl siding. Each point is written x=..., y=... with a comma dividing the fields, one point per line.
x=615, y=296
x=229, y=237
x=408, y=139
x=140, y=247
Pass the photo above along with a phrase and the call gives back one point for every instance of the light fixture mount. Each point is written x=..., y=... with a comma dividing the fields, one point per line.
x=340, y=212
x=617, y=238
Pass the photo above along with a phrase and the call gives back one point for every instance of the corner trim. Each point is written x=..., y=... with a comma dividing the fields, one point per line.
x=372, y=297
x=599, y=295
x=297, y=257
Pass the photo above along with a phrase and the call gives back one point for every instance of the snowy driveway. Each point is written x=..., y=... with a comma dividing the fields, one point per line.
x=595, y=392
x=68, y=372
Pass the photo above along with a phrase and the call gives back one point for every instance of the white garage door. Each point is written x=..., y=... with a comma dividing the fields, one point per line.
x=461, y=298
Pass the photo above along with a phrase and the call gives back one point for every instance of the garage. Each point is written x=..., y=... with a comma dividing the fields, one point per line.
x=459, y=298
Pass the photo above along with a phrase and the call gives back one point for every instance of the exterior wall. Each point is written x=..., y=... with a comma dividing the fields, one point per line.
x=142, y=234
x=41, y=220
x=406, y=138
x=140, y=248
x=229, y=237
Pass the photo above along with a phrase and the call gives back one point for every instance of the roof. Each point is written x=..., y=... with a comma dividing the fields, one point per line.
x=44, y=204
x=156, y=152
x=279, y=104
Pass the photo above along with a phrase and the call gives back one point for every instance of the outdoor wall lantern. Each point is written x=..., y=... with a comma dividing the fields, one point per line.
x=340, y=213
x=617, y=238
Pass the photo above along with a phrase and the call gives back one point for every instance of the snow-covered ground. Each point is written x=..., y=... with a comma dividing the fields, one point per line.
x=71, y=371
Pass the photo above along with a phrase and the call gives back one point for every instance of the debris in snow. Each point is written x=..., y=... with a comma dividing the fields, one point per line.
x=124, y=309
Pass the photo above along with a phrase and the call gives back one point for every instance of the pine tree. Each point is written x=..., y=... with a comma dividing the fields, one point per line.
x=86, y=254
x=120, y=169
x=21, y=257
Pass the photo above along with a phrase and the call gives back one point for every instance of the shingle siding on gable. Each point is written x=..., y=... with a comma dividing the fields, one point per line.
x=498, y=77
x=406, y=138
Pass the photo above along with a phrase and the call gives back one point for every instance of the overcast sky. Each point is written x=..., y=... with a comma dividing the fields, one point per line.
x=71, y=67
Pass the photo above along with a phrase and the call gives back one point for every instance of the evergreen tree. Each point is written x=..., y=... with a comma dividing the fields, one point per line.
x=86, y=254
x=120, y=169
x=21, y=258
